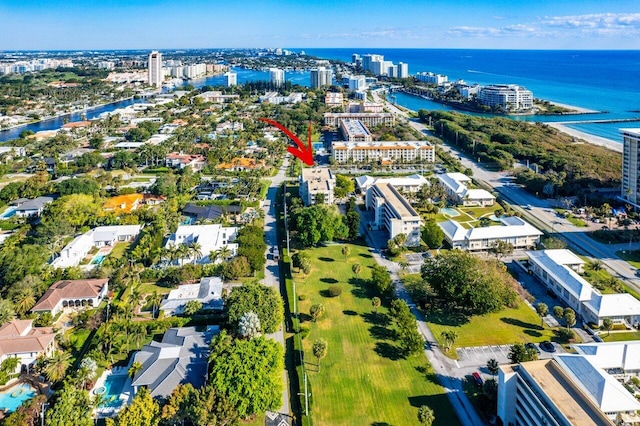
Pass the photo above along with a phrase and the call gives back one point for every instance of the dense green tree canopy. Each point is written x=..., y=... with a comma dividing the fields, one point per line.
x=143, y=411
x=251, y=245
x=248, y=373
x=469, y=283
x=71, y=407
x=255, y=297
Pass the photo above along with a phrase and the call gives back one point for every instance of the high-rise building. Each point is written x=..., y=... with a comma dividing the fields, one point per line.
x=403, y=70
x=276, y=76
x=156, y=75
x=631, y=165
x=367, y=61
x=231, y=79
x=321, y=76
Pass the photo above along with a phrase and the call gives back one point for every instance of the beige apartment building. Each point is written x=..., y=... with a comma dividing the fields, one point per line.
x=391, y=151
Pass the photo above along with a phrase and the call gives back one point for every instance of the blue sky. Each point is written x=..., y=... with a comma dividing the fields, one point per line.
x=161, y=24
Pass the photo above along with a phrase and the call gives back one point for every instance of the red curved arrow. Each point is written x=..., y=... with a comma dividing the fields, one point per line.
x=305, y=153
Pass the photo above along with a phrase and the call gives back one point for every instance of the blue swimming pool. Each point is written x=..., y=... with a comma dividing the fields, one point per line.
x=98, y=259
x=449, y=212
x=15, y=396
x=113, y=388
x=8, y=213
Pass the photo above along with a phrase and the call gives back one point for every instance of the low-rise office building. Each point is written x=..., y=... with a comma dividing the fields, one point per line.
x=422, y=151
x=559, y=271
x=317, y=181
x=456, y=188
x=514, y=230
x=394, y=213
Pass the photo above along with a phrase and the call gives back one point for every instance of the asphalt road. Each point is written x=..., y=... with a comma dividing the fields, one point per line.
x=271, y=273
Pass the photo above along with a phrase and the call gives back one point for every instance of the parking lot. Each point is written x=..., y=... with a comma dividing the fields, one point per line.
x=477, y=356
x=415, y=261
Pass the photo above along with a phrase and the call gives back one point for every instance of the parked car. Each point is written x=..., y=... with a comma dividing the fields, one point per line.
x=532, y=346
x=477, y=378
x=547, y=346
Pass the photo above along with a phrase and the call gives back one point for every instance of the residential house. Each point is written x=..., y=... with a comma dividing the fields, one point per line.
x=208, y=292
x=74, y=252
x=33, y=207
x=179, y=160
x=241, y=164
x=20, y=339
x=180, y=358
x=72, y=294
x=202, y=213
x=210, y=238
x=513, y=230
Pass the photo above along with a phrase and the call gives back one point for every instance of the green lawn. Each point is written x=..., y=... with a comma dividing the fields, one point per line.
x=361, y=380
x=577, y=222
x=620, y=337
x=119, y=250
x=505, y=327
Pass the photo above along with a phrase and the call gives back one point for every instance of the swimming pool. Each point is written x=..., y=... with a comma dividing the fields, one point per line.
x=449, y=212
x=8, y=213
x=15, y=396
x=113, y=388
x=98, y=259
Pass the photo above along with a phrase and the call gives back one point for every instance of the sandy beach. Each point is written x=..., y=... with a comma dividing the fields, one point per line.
x=578, y=110
x=595, y=140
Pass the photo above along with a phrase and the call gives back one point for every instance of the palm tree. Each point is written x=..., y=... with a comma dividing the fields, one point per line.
x=356, y=268
x=225, y=253
x=492, y=366
x=139, y=333
x=7, y=313
x=183, y=252
x=134, y=369
x=56, y=366
x=543, y=310
x=449, y=337
x=319, y=350
x=345, y=252
x=155, y=299
x=607, y=324
x=426, y=417
x=375, y=302
x=196, y=250
x=214, y=255
x=23, y=301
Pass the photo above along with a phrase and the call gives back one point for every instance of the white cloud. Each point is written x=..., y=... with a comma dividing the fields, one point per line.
x=607, y=24
x=516, y=30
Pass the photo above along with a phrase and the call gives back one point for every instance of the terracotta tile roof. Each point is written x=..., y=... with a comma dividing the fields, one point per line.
x=17, y=337
x=247, y=163
x=76, y=124
x=125, y=202
x=69, y=289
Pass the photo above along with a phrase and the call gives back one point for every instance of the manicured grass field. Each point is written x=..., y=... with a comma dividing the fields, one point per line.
x=361, y=380
x=620, y=337
x=505, y=327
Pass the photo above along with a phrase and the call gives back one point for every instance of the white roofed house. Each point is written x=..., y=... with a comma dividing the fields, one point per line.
x=34, y=207
x=559, y=271
x=406, y=184
x=208, y=292
x=456, y=186
x=210, y=238
x=513, y=230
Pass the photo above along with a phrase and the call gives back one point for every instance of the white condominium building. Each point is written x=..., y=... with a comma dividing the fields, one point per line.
x=276, y=76
x=631, y=165
x=394, y=213
x=354, y=131
x=456, y=188
x=357, y=82
x=334, y=99
x=566, y=390
x=509, y=97
x=156, y=75
x=231, y=79
x=321, y=76
x=514, y=230
x=314, y=181
x=343, y=152
x=431, y=78
x=369, y=119
x=403, y=70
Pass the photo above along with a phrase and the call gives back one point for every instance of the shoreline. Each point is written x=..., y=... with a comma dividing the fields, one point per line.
x=53, y=117
x=592, y=139
x=574, y=109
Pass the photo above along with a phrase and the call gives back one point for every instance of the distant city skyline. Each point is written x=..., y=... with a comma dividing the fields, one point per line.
x=163, y=24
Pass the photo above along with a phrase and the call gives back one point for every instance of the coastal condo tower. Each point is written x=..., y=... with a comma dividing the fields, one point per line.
x=631, y=165
x=155, y=69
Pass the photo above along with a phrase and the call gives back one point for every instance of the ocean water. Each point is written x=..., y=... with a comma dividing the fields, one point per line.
x=606, y=81
x=302, y=78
